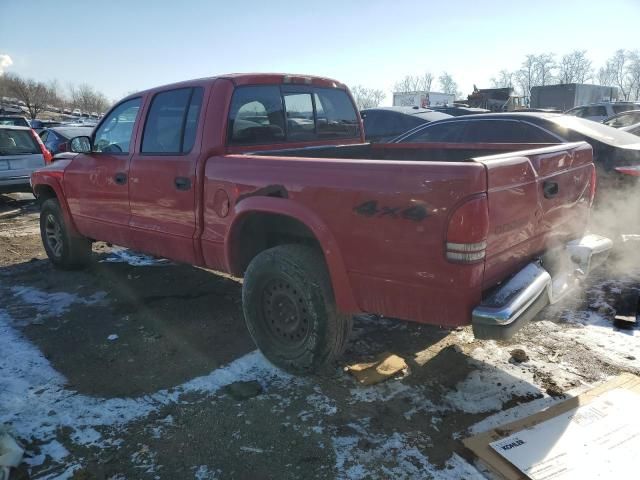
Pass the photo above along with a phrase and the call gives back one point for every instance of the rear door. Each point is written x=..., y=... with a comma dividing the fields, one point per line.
x=96, y=183
x=163, y=175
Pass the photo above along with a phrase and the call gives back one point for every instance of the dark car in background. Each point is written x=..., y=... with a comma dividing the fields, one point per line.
x=14, y=121
x=623, y=119
x=385, y=123
x=457, y=111
x=634, y=129
x=616, y=153
x=40, y=125
x=21, y=152
x=56, y=139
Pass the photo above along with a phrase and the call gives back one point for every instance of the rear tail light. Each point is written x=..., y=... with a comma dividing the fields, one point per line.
x=633, y=170
x=45, y=153
x=467, y=231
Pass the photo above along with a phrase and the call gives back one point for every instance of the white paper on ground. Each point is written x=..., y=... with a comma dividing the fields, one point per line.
x=600, y=440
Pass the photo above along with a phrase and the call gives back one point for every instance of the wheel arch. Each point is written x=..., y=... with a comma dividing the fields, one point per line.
x=48, y=187
x=263, y=222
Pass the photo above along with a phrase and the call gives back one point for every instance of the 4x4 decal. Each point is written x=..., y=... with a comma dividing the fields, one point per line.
x=370, y=208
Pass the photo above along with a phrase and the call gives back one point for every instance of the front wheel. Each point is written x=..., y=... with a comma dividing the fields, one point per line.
x=63, y=249
x=290, y=309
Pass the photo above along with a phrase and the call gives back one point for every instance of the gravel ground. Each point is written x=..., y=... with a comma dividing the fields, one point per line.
x=138, y=368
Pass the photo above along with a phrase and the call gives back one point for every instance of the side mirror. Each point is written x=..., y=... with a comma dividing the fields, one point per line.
x=80, y=145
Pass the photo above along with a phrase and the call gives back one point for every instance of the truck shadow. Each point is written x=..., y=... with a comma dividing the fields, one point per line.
x=166, y=324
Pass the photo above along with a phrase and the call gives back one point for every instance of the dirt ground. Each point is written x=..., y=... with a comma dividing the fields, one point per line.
x=133, y=369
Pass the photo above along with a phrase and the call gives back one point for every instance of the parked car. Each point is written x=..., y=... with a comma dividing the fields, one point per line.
x=320, y=224
x=612, y=148
x=14, y=120
x=457, y=111
x=21, y=152
x=76, y=112
x=56, y=139
x=601, y=111
x=623, y=119
x=381, y=124
x=40, y=125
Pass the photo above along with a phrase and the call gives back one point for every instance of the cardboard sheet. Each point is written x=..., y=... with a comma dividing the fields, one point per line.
x=594, y=435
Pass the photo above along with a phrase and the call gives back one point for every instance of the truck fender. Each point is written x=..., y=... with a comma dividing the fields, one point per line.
x=42, y=180
x=343, y=292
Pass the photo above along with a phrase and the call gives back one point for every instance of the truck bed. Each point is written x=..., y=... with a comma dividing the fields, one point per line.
x=385, y=210
x=435, y=152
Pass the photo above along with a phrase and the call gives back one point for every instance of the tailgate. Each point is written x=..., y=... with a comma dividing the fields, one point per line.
x=538, y=199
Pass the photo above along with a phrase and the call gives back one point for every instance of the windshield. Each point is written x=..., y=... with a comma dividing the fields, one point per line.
x=597, y=131
x=624, y=120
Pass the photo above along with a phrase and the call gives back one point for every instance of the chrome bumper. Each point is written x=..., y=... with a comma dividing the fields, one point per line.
x=518, y=300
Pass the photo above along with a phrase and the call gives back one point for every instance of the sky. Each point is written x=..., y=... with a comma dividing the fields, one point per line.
x=120, y=46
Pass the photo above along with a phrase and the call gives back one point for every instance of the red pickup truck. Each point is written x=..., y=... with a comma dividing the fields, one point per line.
x=267, y=177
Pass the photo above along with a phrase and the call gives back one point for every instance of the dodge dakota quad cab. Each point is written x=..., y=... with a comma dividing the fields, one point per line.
x=266, y=177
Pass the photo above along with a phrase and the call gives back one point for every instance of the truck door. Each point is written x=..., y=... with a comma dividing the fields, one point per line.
x=163, y=175
x=96, y=183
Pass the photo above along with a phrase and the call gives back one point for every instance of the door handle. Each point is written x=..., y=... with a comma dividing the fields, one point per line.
x=550, y=189
x=182, y=183
x=120, y=178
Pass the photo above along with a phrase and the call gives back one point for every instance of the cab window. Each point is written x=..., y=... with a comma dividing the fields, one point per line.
x=114, y=134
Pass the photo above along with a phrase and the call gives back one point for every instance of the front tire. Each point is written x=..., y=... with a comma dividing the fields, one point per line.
x=63, y=249
x=290, y=310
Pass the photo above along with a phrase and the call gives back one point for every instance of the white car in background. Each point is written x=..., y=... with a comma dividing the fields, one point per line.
x=601, y=111
x=21, y=152
x=77, y=112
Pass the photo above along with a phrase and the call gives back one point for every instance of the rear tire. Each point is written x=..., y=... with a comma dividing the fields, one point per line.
x=63, y=249
x=290, y=310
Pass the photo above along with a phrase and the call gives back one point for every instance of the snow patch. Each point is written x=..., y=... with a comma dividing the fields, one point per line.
x=135, y=259
x=35, y=402
x=53, y=304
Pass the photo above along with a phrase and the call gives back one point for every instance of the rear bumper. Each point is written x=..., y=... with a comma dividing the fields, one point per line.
x=15, y=183
x=520, y=299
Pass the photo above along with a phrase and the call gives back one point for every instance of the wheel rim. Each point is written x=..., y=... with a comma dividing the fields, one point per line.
x=53, y=233
x=285, y=313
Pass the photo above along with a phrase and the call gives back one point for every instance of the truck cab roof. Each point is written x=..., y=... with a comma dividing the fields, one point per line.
x=240, y=79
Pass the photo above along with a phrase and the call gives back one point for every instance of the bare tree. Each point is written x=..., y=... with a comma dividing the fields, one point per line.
x=448, y=85
x=618, y=66
x=417, y=83
x=87, y=99
x=545, y=66
x=35, y=95
x=527, y=75
x=633, y=73
x=366, y=97
x=505, y=79
x=575, y=67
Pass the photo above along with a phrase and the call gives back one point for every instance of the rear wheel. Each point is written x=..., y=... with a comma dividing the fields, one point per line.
x=63, y=249
x=290, y=310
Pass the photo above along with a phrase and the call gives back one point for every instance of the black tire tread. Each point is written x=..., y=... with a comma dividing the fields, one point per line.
x=306, y=265
x=76, y=252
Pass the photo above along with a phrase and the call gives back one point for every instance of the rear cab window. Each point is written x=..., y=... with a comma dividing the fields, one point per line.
x=17, y=142
x=264, y=114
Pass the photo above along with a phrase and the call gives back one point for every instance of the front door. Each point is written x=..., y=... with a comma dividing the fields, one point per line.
x=163, y=176
x=97, y=183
